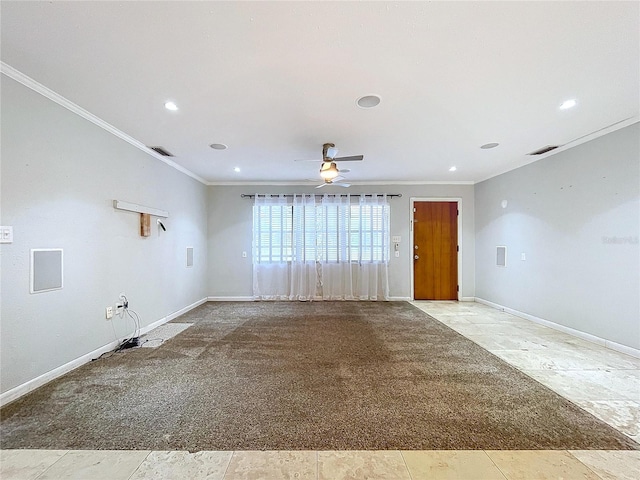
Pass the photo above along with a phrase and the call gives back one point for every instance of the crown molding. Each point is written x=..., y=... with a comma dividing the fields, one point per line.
x=30, y=83
x=355, y=184
x=569, y=145
x=416, y=182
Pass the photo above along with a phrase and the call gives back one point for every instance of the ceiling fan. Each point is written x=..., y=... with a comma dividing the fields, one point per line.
x=329, y=170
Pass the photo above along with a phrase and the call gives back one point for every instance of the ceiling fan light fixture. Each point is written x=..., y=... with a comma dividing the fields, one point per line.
x=329, y=170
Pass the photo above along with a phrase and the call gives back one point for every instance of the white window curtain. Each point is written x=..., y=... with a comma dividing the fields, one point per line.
x=328, y=248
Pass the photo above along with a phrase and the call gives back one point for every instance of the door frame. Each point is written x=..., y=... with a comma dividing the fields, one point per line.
x=458, y=200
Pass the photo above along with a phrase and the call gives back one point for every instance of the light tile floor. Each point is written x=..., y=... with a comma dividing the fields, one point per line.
x=602, y=381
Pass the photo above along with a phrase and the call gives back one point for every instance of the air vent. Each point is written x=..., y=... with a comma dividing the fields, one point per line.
x=544, y=150
x=161, y=151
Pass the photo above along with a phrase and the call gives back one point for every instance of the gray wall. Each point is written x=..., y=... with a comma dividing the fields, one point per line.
x=230, y=224
x=575, y=215
x=60, y=174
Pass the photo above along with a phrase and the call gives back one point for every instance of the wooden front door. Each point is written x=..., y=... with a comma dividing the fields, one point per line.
x=435, y=243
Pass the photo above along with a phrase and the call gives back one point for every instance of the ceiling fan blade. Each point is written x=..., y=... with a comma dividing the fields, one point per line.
x=342, y=184
x=353, y=158
x=344, y=170
x=321, y=185
x=332, y=152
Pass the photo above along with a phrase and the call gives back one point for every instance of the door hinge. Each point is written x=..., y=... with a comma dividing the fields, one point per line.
x=457, y=288
x=457, y=248
x=457, y=212
x=414, y=210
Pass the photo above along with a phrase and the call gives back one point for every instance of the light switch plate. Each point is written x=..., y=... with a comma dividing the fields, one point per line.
x=6, y=234
x=395, y=239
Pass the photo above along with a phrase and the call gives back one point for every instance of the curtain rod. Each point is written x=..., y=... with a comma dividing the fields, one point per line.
x=390, y=195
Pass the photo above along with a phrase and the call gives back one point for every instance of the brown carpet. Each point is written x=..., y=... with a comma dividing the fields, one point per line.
x=288, y=376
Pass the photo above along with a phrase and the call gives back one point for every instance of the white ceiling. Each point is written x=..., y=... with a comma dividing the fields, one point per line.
x=275, y=80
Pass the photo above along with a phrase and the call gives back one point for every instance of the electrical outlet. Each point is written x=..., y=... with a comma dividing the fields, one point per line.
x=109, y=312
x=244, y=254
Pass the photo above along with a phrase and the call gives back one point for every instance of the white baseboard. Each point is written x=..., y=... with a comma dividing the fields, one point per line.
x=230, y=299
x=468, y=299
x=634, y=352
x=171, y=316
x=251, y=299
x=23, y=389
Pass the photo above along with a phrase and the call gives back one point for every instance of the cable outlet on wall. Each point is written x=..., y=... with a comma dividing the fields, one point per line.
x=244, y=254
x=109, y=312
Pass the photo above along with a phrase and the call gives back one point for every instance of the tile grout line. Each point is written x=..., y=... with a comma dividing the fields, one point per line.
x=585, y=465
x=405, y=465
x=138, y=467
x=228, y=463
x=46, y=469
x=496, y=465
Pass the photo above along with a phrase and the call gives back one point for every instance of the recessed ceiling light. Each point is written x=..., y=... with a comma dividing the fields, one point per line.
x=236, y=169
x=368, y=101
x=568, y=104
x=452, y=169
x=171, y=106
x=487, y=146
x=218, y=146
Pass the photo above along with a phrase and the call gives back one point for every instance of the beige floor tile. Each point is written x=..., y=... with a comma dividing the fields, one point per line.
x=96, y=465
x=27, y=464
x=192, y=466
x=623, y=415
x=503, y=329
x=612, y=464
x=451, y=465
x=272, y=465
x=550, y=360
x=362, y=465
x=593, y=385
x=503, y=342
x=540, y=465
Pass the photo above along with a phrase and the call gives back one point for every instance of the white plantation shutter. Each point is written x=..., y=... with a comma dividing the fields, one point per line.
x=272, y=230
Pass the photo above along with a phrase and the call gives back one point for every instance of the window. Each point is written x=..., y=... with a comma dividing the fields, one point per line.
x=328, y=232
x=273, y=233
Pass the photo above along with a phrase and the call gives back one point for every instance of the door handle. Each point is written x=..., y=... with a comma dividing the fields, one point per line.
x=416, y=257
